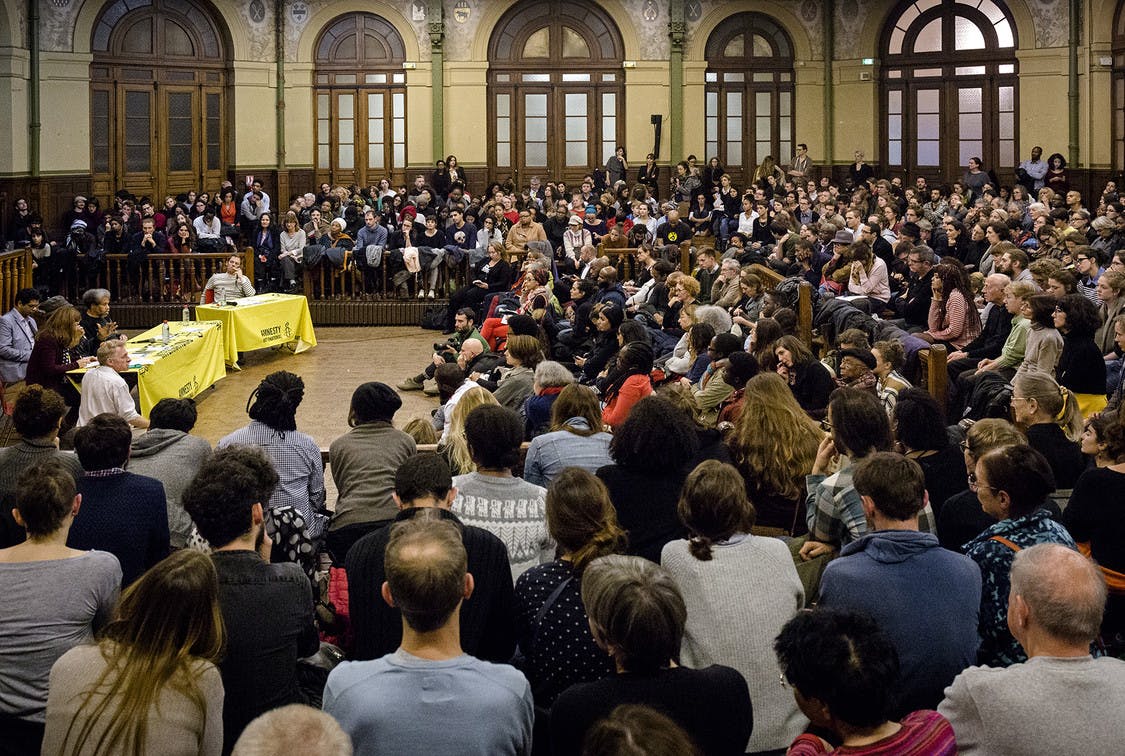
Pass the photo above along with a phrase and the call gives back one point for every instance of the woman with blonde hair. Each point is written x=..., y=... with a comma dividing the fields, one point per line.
x=551, y=622
x=773, y=444
x=150, y=685
x=1048, y=413
x=455, y=448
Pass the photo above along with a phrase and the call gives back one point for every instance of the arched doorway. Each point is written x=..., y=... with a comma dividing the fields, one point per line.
x=749, y=94
x=360, y=101
x=556, y=90
x=158, y=103
x=949, y=88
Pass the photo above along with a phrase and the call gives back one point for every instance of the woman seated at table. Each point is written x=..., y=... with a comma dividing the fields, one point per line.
x=54, y=355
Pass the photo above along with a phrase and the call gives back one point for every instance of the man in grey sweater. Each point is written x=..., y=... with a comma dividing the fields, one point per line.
x=168, y=453
x=1061, y=700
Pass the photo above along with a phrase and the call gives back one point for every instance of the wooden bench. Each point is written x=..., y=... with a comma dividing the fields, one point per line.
x=626, y=258
x=770, y=279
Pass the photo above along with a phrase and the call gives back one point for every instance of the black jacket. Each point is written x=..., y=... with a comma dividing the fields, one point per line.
x=487, y=617
x=994, y=332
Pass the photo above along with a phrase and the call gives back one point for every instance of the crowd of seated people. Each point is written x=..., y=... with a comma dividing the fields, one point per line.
x=695, y=475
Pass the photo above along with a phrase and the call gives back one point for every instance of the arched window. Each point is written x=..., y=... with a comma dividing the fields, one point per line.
x=360, y=101
x=556, y=90
x=749, y=108
x=158, y=108
x=949, y=87
x=1119, y=88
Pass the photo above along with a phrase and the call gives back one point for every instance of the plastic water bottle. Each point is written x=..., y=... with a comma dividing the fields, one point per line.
x=187, y=315
x=165, y=333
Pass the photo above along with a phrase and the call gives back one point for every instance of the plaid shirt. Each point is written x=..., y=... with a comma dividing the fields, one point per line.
x=834, y=511
x=106, y=473
x=296, y=457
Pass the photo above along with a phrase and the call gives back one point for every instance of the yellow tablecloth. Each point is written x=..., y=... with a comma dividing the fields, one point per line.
x=189, y=363
x=261, y=321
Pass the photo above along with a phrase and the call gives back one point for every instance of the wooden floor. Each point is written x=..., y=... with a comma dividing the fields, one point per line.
x=342, y=359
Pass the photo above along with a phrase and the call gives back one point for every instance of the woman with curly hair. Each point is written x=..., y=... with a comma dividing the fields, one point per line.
x=953, y=318
x=630, y=384
x=651, y=452
x=773, y=444
x=551, y=622
x=150, y=685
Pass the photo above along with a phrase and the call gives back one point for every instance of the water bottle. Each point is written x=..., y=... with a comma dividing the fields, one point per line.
x=165, y=333
x=187, y=315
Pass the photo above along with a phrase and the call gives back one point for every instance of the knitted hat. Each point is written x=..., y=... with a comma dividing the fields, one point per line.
x=375, y=401
x=79, y=224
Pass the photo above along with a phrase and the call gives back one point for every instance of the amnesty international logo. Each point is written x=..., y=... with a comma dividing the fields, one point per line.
x=288, y=330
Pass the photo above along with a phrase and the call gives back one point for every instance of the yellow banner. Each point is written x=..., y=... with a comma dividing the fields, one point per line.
x=190, y=362
x=263, y=320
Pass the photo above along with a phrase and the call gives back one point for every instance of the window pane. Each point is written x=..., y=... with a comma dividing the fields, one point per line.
x=1007, y=126
x=928, y=101
x=398, y=105
x=323, y=157
x=1007, y=152
x=608, y=148
x=323, y=131
x=712, y=129
x=99, y=130
x=537, y=77
x=785, y=126
x=180, y=131
x=894, y=153
x=927, y=153
x=345, y=130
x=763, y=149
x=535, y=105
x=537, y=45
x=609, y=104
x=734, y=153
x=375, y=78
x=970, y=126
x=710, y=77
x=1007, y=98
x=138, y=131
x=345, y=78
x=969, y=100
x=784, y=100
x=734, y=77
x=398, y=78
x=734, y=103
x=897, y=37
x=968, y=149
x=894, y=102
x=346, y=157
x=762, y=127
x=929, y=39
x=535, y=129
x=503, y=103
x=504, y=155
x=575, y=77
x=929, y=126
x=609, y=129
x=374, y=106
x=345, y=104
x=969, y=71
x=535, y=154
x=503, y=129
x=398, y=156
x=575, y=128
x=1007, y=68
x=576, y=104
x=967, y=35
x=785, y=148
x=763, y=77
x=375, y=127
x=712, y=103
x=734, y=128
x=398, y=130
x=1004, y=36
x=322, y=106
x=576, y=154
x=214, y=132
x=573, y=45
x=894, y=127
x=762, y=47
x=375, y=157
x=762, y=103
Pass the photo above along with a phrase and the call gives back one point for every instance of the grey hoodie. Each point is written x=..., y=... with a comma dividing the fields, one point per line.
x=172, y=457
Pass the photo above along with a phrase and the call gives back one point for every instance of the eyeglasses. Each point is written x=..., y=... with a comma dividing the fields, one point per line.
x=965, y=448
x=1081, y=259
x=976, y=485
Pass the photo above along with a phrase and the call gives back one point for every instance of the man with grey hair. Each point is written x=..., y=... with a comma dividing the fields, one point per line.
x=1061, y=700
x=104, y=390
x=295, y=728
x=996, y=325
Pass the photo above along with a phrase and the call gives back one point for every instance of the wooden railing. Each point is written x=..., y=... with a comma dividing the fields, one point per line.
x=15, y=274
x=163, y=279
x=326, y=281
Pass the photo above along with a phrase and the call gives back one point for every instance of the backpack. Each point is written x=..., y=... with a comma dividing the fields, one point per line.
x=991, y=397
x=434, y=318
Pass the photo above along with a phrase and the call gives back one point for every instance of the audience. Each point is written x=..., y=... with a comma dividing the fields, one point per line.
x=633, y=730
x=294, y=728
x=429, y=696
x=169, y=453
x=267, y=608
x=925, y=599
x=637, y=616
x=495, y=500
x=105, y=391
x=123, y=513
x=920, y=434
x=552, y=626
x=58, y=597
x=1011, y=483
x=1061, y=700
x=650, y=454
x=363, y=463
x=424, y=489
x=843, y=670
x=150, y=684
x=576, y=439
x=739, y=590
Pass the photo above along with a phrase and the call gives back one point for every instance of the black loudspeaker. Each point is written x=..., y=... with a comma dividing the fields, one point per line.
x=657, y=121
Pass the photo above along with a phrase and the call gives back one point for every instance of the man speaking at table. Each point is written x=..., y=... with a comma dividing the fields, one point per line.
x=228, y=285
x=104, y=390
